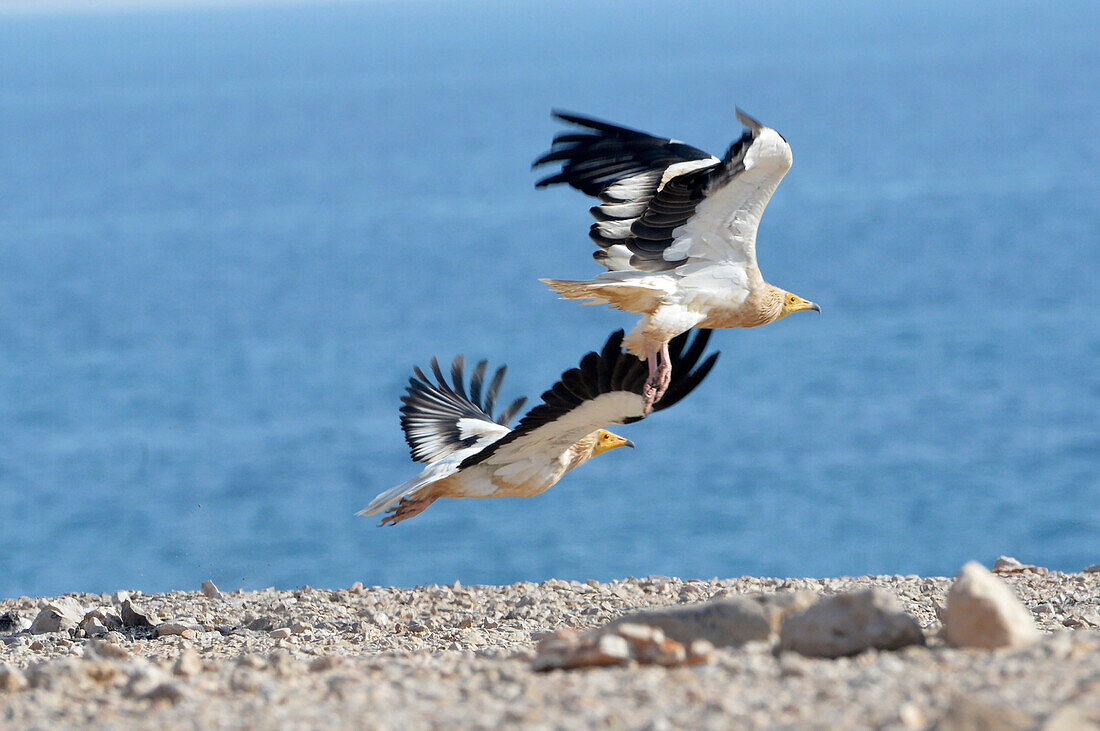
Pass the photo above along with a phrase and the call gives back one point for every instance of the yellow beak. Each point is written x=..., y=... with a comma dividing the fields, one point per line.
x=608, y=441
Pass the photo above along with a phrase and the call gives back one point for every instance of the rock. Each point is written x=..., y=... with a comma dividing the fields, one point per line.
x=1094, y=569
x=188, y=663
x=982, y=611
x=1073, y=718
x=57, y=616
x=325, y=662
x=724, y=622
x=1009, y=565
x=168, y=692
x=144, y=677
x=11, y=679
x=178, y=627
x=616, y=645
x=849, y=623
x=299, y=628
x=259, y=624
x=132, y=617
x=210, y=590
x=970, y=714
x=912, y=716
x=99, y=622
x=281, y=634
x=12, y=622
x=100, y=648
x=120, y=597
x=93, y=627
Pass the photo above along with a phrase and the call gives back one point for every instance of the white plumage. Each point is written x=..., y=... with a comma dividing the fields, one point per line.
x=469, y=454
x=676, y=230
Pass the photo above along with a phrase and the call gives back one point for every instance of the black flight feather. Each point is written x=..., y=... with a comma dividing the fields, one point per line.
x=611, y=370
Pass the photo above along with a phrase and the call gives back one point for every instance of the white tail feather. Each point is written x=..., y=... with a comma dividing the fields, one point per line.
x=395, y=494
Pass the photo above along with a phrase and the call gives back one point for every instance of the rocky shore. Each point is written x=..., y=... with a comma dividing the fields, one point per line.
x=1015, y=649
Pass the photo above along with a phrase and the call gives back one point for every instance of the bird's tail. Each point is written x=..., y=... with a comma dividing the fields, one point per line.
x=572, y=289
x=395, y=494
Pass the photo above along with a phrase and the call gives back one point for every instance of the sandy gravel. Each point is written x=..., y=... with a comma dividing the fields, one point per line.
x=436, y=656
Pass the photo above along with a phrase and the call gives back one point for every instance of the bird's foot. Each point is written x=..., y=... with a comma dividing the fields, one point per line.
x=649, y=395
x=406, y=509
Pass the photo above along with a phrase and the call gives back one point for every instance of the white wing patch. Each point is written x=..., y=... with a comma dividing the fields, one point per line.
x=723, y=229
x=486, y=432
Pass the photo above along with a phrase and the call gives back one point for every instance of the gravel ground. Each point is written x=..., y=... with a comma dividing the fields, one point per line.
x=434, y=656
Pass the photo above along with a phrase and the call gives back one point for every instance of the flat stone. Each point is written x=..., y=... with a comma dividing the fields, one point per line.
x=724, y=622
x=210, y=590
x=177, y=627
x=1009, y=565
x=1094, y=569
x=849, y=623
x=982, y=611
x=281, y=633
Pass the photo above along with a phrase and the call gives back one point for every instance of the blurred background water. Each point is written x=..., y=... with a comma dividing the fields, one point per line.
x=227, y=235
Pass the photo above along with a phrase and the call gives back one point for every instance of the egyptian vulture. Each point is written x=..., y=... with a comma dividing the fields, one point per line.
x=676, y=230
x=471, y=453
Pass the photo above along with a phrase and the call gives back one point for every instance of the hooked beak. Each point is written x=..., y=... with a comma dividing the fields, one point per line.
x=815, y=307
x=628, y=443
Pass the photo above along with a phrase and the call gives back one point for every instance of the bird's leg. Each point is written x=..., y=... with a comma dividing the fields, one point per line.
x=652, y=384
x=406, y=509
x=664, y=372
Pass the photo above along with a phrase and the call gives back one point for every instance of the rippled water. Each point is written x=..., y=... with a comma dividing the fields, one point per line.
x=226, y=237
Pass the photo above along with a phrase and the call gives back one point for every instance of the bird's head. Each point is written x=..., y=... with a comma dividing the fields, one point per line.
x=794, y=303
x=606, y=441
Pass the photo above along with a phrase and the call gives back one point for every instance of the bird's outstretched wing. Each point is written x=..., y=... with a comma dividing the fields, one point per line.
x=440, y=418
x=667, y=206
x=606, y=389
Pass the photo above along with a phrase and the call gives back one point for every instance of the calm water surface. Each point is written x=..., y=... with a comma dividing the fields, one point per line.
x=226, y=237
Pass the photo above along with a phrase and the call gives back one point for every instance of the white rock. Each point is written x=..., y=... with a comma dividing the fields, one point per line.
x=120, y=596
x=93, y=626
x=188, y=663
x=1009, y=565
x=177, y=627
x=849, y=623
x=144, y=677
x=210, y=590
x=58, y=615
x=11, y=679
x=281, y=633
x=982, y=611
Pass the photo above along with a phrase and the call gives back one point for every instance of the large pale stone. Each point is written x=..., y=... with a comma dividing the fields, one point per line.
x=849, y=623
x=60, y=614
x=982, y=611
x=724, y=622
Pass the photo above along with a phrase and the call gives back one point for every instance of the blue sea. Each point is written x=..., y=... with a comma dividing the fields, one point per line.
x=227, y=235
